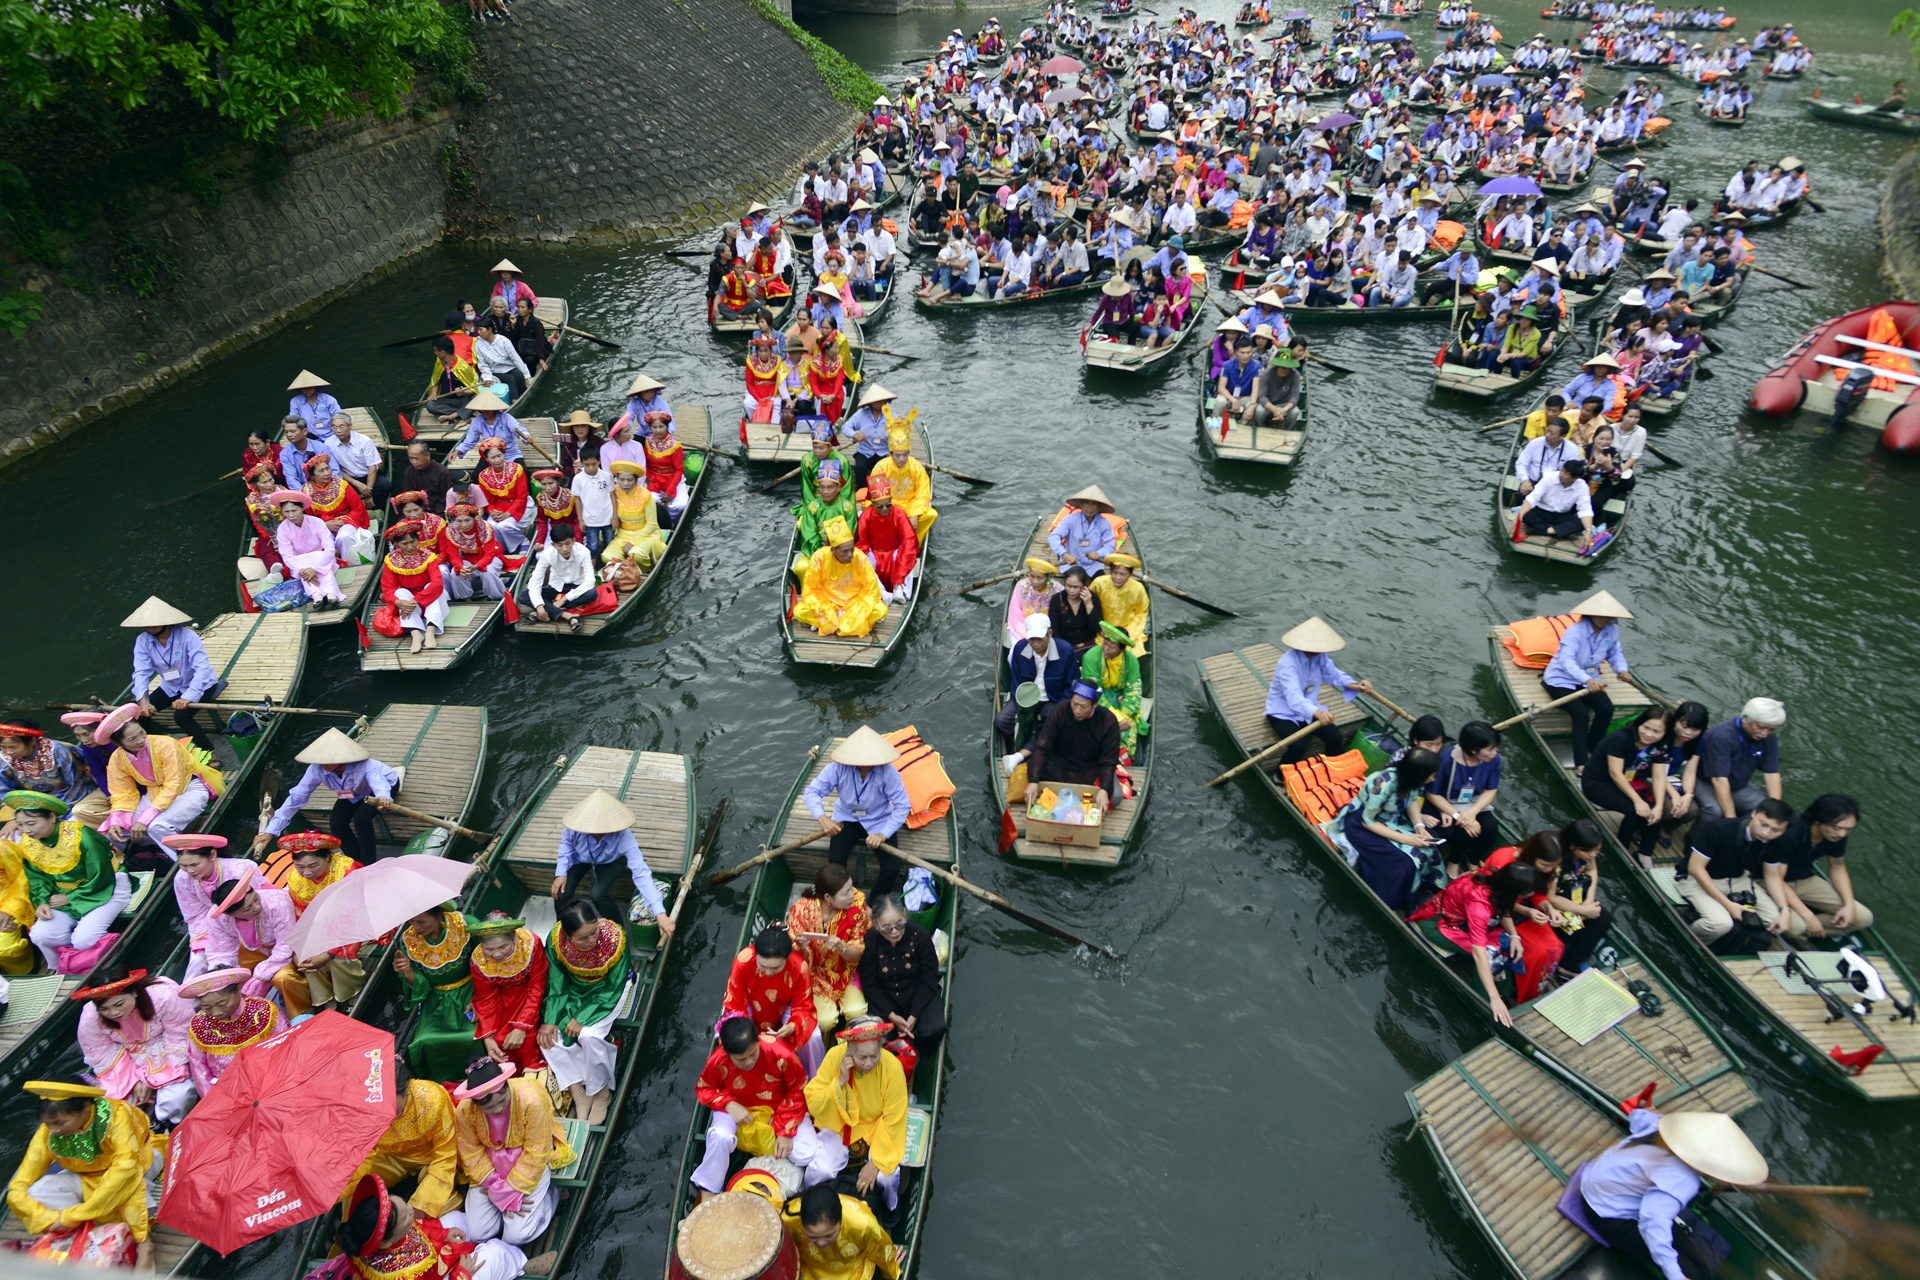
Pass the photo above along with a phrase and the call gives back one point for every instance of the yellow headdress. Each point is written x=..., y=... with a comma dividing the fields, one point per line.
x=899, y=440
x=627, y=467
x=835, y=532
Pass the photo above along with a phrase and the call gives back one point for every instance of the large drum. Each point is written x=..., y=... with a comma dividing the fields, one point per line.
x=736, y=1235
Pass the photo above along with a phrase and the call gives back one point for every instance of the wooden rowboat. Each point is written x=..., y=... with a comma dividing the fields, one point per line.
x=354, y=581
x=979, y=301
x=1268, y=445
x=553, y=313
x=694, y=426
x=261, y=657
x=1506, y=508
x=765, y=442
x=836, y=652
x=729, y=325
x=1796, y=1016
x=898, y=187
x=1487, y=383
x=1859, y=113
x=1122, y=823
x=1102, y=352
x=1507, y=1135
x=775, y=887
x=1702, y=1073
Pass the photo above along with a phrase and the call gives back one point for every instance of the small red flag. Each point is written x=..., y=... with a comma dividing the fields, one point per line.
x=1009, y=829
x=1859, y=1059
x=366, y=641
x=406, y=428
x=1644, y=1098
x=1083, y=338
x=510, y=609
x=1225, y=422
x=1439, y=357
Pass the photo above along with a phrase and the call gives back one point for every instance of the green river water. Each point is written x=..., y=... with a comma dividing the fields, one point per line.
x=1229, y=1100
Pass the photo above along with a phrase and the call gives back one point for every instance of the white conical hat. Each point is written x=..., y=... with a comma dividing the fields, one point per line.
x=1602, y=359
x=307, y=379
x=506, y=264
x=1092, y=493
x=1268, y=298
x=1713, y=1144
x=156, y=613
x=333, y=747
x=1601, y=604
x=864, y=747
x=1314, y=636
x=876, y=394
x=643, y=383
x=598, y=815
x=486, y=400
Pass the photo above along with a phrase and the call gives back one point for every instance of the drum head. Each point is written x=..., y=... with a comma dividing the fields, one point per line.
x=733, y=1236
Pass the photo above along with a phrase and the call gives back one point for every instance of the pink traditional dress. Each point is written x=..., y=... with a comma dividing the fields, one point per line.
x=1025, y=603
x=196, y=899
x=149, y=1051
x=310, y=545
x=263, y=944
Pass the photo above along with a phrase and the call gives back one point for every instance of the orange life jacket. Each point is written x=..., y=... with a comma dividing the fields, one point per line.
x=1321, y=786
x=929, y=789
x=1534, y=641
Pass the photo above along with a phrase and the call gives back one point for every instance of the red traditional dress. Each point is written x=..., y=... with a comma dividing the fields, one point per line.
x=832, y=975
x=666, y=467
x=212, y=1042
x=766, y=375
x=562, y=507
x=507, y=996
x=773, y=1002
x=736, y=290
x=337, y=500
x=826, y=380
x=765, y=264
x=266, y=518
x=774, y=1088
x=506, y=489
x=477, y=548
x=303, y=891
x=431, y=527
x=889, y=537
x=417, y=571
x=424, y=1253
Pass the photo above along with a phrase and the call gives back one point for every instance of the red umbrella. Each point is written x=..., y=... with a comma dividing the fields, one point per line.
x=1060, y=66
x=275, y=1140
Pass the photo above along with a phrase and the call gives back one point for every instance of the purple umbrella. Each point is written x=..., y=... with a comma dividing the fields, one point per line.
x=1491, y=81
x=1380, y=37
x=1296, y=15
x=1338, y=120
x=1511, y=186
x=1061, y=66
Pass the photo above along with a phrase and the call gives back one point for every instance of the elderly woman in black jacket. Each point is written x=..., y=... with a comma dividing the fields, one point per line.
x=900, y=976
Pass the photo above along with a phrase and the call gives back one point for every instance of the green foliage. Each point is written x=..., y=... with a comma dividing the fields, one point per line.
x=19, y=308
x=1907, y=23
x=847, y=81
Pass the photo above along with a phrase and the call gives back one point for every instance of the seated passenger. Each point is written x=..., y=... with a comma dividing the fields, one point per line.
x=837, y=1236
x=250, y=926
x=418, y=1144
x=509, y=1143
x=509, y=986
x=1078, y=743
x=92, y=1160
x=858, y=1098
x=226, y=1020
x=840, y=595
x=1814, y=904
x=1381, y=832
x=829, y=924
x=133, y=1035
x=756, y=1091
x=585, y=983
x=72, y=882
x=1474, y=915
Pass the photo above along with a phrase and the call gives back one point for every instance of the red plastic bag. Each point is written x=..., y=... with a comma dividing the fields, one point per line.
x=386, y=620
x=605, y=600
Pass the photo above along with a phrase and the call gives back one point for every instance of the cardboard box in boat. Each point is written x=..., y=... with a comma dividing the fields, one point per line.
x=1084, y=834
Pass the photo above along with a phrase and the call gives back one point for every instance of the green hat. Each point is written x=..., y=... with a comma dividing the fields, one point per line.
x=36, y=801
x=1508, y=273
x=1529, y=312
x=495, y=926
x=1283, y=360
x=1110, y=632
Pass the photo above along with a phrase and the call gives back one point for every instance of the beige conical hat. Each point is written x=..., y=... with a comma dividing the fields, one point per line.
x=1092, y=493
x=1269, y=298
x=643, y=383
x=598, y=815
x=307, y=379
x=1604, y=360
x=1601, y=604
x=876, y=394
x=1713, y=1144
x=156, y=613
x=333, y=747
x=864, y=747
x=1314, y=636
x=486, y=400
x=506, y=264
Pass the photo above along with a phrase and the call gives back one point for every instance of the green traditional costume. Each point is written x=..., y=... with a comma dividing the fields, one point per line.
x=78, y=861
x=810, y=471
x=813, y=515
x=1119, y=681
x=584, y=986
x=443, y=1042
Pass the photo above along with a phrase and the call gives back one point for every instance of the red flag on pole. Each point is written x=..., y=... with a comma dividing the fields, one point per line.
x=366, y=641
x=406, y=428
x=510, y=609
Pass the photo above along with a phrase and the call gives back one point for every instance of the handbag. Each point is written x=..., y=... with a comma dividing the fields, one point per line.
x=386, y=620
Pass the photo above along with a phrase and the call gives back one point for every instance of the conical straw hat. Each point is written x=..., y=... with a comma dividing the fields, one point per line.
x=486, y=400
x=643, y=383
x=307, y=378
x=1713, y=1144
x=1601, y=604
x=333, y=747
x=598, y=815
x=864, y=747
x=876, y=394
x=156, y=613
x=1092, y=493
x=1314, y=636
x=506, y=264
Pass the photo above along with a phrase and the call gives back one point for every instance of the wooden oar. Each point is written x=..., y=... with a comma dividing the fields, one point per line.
x=997, y=578
x=1807, y=1189
x=1392, y=706
x=1531, y=712
x=766, y=855
x=1504, y=422
x=769, y=488
x=1192, y=600
x=1253, y=760
x=882, y=351
x=961, y=475
x=155, y=506
x=1337, y=368
x=590, y=337
x=413, y=342
x=1658, y=697
x=1783, y=279
x=700, y=852
x=1662, y=454
x=688, y=253
x=442, y=823
x=273, y=708
x=1001, y=904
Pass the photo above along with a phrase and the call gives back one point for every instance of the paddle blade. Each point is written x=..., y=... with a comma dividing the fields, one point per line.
x=1009, y=829
x=407, y=431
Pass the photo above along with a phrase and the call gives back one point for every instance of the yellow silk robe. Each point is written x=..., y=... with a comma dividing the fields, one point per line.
x=174, y=766
x=871, y=1105
x=531, y=1126
x=1125, y=607
x=862, y=1247
x=636, y=528
x=418, y=1142
x=16, y=952
x=840, y=599
x=114, y=1183
x=912, y=492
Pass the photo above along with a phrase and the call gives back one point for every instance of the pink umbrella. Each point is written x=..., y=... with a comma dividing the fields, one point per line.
x=376, y=900
x=1068, y=94
x=1060, y=66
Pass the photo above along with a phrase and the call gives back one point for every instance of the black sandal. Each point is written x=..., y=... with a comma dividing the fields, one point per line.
x=1650, y=1002
x=573, y=623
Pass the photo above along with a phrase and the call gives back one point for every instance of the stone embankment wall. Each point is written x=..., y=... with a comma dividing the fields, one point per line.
x=1900, y=225
x=352, y=206
x=615, y=120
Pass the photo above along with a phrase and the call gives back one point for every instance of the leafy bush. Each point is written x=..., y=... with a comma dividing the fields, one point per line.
x=846, y=80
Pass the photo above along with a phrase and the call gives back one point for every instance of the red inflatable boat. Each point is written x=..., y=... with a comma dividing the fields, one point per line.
x=1867, y=361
